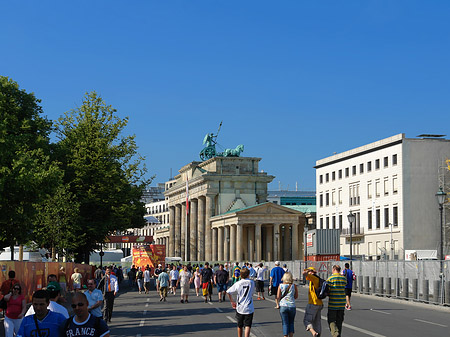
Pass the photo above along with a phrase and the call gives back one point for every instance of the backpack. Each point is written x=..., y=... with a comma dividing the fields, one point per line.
x=323, y=290
x=140, y=274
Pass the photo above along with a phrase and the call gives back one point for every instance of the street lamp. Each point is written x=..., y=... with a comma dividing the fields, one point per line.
x=276, y=246
x=441, y=196
x=351, y=219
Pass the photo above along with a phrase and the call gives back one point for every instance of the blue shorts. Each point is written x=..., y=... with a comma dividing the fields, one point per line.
x=221, y=287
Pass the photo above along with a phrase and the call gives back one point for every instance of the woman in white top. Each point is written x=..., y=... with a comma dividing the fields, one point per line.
x=287, y=294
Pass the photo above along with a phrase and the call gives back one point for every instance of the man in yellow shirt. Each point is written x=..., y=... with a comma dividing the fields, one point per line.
x=312, y=319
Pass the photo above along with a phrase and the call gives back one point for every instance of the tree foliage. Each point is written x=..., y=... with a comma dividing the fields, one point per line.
x=55, y=223
x=104, y=171
x=26, y=170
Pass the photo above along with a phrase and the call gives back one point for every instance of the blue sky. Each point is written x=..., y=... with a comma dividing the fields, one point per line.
x=294, y=81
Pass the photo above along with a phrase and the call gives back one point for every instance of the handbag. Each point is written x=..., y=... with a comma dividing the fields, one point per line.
x=269, y=290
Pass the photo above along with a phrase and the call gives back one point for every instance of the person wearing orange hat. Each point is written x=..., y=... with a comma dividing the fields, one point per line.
x=312, y=319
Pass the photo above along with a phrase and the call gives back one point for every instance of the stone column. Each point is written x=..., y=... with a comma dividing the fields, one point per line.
x=276, y=242
x=220, y=243
x=245, y=243
x=183, y=231
x=295, y=242
x=201, y=229
x=287, y=242
x=251, y=243
x=258, y=242
x=233, y=243
x=226, y=241
x=239, y=243
x=177, y=251
x=214, y=243
x=209, y=214
x=193, y=229
x=269, y=243
x=171, y=231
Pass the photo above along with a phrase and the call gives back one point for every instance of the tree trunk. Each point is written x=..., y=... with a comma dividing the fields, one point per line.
x=21, y=253
x=12, y=252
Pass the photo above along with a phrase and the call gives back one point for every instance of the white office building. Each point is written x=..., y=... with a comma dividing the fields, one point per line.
x=390, y=185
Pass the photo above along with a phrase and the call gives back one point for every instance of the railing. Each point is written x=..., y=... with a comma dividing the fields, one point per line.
x=355, y=231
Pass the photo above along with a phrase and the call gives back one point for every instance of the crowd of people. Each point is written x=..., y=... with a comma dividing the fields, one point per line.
x=93, y=302
x=48, y=315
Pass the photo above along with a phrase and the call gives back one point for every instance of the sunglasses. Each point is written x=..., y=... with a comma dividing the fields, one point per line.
x=77, y=305
x=16, y=288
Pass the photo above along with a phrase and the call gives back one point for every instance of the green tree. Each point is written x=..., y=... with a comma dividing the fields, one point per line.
x=56, y=220
x=26, y=171
x=104, y=170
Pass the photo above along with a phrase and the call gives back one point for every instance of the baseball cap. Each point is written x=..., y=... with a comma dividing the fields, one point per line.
x=159, y=265
x=53, y=286
x=311, y=268
x=277, y=263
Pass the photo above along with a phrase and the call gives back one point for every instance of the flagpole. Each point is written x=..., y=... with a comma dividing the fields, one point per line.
x=186, y=234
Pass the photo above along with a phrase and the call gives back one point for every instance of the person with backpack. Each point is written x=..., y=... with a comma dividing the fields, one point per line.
x=350, y=276
x=336, y=302
x=312, y=318
x=83, y=323
x=286, y=296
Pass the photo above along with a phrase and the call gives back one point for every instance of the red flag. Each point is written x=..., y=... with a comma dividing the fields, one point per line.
x=187, y=195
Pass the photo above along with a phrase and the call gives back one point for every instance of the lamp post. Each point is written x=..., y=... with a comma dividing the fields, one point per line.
x=276, y=246
x=441, y=196
x=392, y=243
x=351, y=219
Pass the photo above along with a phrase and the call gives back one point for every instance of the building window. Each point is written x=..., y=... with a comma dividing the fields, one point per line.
x=328, y=222
x=321, y=200
x=333, y=222
x=321, y=223
x=394, y=185
x=386, y=217
x=327, y=199
x=369, y=166
x=340, y=196
x=377, y=188
x=361, y=168
x=369, y=220
x=394, y=159
x=377, y=164
x=369, y=190
x=354, y=170
x=321, y=179
x=333, y=198
x=354, y=194
x=327, y=177
x=333, y=176
x=347, y=170
x=340, y=222
x=340, y=174
x=378, y=218
x=395, y=216
x=386, y=187
x=385, y=161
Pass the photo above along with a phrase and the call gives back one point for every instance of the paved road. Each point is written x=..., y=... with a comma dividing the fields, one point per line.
x=143, y=315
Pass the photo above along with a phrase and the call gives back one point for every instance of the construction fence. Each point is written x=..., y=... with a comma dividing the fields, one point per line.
x=420, y=281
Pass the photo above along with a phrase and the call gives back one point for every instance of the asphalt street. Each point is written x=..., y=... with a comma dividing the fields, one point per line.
x=143, y=315
x=139, y=315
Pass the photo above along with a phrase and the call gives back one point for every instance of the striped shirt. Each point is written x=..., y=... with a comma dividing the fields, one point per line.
x=337, y=299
